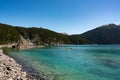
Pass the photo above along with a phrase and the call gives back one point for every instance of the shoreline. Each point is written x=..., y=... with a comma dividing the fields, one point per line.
x=18, y=70
x=32, y=73
x=10, y=69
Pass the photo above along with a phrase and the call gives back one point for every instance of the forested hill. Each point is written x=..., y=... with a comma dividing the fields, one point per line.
x=11, y=34
x=106, y=34
x=8, y=34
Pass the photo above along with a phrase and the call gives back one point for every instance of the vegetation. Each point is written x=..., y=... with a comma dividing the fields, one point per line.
x=43, y=36
x=106, y=34
x=76, y=39
x=11, y=34
x=8, y=34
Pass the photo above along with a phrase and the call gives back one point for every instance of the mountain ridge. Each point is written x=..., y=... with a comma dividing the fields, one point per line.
x=106, y=34
x=39, y=36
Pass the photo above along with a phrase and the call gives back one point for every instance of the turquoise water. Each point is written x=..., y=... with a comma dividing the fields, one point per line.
x=84, y=62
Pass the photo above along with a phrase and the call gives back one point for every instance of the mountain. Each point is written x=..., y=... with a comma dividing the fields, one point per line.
x=16, y=34
x=106, y=34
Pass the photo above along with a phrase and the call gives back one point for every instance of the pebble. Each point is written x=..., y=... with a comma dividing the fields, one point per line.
x=10, y=70
x=10, y=79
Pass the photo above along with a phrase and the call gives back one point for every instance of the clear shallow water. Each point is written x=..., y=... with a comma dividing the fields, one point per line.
x=84, y=62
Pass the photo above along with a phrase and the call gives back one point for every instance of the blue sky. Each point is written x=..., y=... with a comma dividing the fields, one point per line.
x=70, y=16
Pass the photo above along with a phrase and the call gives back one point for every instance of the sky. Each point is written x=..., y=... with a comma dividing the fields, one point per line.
x=70, y=16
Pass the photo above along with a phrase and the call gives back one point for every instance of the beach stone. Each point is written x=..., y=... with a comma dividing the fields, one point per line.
x=19, y=78
x=8, y=68
x=10, y=79
x=3, y=63
x=7, y=73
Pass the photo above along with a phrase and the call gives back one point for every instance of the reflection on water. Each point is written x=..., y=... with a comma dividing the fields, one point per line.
x=84, y=62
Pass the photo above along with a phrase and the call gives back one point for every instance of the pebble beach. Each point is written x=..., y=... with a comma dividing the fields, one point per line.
x=10, y=70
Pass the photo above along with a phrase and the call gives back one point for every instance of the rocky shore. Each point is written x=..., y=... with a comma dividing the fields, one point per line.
x=10, y=70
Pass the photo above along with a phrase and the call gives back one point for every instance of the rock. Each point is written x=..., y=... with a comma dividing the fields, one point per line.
x=3, y=63
x=8, y=68
x=10, y=79
x=7, y=73
x=19, y=78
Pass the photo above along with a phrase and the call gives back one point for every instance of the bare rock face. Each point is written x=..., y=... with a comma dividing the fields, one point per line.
x=10, y=70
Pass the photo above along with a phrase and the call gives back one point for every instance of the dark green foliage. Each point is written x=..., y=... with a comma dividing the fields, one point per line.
x=77, y=39
x=45, y=36
x=42, y=36
x=8, y=34
x=107, y=34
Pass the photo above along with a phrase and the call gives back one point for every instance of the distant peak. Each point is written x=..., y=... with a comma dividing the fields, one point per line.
x=109, y=26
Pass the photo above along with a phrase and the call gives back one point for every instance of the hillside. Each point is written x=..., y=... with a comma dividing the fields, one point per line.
x=40, y=36
x=107, y=34
x=8, y=34
x=76, y=39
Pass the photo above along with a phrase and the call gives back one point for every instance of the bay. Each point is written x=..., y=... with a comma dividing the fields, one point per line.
x=73, y=62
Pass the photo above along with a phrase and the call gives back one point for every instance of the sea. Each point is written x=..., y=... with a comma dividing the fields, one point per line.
x=71, y=62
